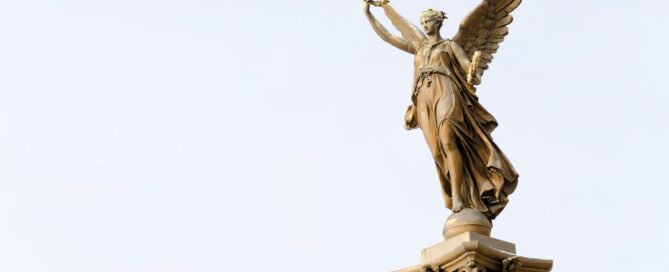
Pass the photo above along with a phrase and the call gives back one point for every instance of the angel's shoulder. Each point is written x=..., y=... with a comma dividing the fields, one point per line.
x=446, y=44
x=453, y=43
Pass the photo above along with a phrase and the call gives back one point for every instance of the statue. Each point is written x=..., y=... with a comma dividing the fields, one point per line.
x=473, y=171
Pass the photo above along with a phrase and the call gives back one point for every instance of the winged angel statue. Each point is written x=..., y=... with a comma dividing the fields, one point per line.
x=473, y=171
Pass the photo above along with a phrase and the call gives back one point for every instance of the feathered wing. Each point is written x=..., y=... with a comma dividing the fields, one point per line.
x=485, y=28
x=408, y=30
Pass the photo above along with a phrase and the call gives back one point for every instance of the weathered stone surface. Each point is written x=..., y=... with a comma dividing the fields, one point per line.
x=473, y=252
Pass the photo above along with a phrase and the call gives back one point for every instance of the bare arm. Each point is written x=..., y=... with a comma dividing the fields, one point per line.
x=408, y=30
x=473, y=77
x=398, y=42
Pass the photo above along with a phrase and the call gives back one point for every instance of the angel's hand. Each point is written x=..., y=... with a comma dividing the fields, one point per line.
x=473, y=75
x=366, y=4
x=376, y=3
x=381, y=3
x=474, y=80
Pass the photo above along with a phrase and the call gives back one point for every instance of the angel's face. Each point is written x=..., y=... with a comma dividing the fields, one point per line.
x=430, y=25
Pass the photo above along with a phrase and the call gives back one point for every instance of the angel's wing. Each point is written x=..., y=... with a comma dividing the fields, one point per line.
x=407, y=29
x=485, y=28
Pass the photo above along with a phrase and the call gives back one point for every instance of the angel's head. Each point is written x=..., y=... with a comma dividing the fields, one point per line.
x=432, y=20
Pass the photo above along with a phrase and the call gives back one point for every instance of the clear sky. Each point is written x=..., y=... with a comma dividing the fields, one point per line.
x=226, y=135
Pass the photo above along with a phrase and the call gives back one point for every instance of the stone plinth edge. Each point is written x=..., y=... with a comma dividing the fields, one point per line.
x=473, y=252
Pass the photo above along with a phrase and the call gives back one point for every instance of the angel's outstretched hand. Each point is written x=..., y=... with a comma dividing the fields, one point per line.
x=366, y=4
x=376, y=3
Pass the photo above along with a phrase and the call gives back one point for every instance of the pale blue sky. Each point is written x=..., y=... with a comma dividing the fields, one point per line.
x=254, y=135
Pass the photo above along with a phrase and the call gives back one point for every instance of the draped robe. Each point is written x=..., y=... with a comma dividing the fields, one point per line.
x=442, y=97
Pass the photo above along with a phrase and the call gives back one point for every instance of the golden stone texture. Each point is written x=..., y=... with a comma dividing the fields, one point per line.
x=467, y=220
x=476, y=177
x=468, y=247
x=473, y=171
x=470, y=252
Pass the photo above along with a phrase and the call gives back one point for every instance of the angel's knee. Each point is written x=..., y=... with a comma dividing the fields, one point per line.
x=447, y=137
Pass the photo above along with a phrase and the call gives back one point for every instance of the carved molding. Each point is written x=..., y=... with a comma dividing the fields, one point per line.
x=431, y=268
x=511, y=264
x=472, y=266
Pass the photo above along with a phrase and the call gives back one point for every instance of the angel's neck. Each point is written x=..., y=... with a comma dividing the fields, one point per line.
x=434, y=38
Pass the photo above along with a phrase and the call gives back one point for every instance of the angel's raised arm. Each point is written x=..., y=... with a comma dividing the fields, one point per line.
x=398, y=42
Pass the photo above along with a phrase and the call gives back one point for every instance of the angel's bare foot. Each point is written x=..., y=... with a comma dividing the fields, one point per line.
x=457, y=204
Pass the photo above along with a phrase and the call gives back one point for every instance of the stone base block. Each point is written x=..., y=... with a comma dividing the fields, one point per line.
x=474, y=252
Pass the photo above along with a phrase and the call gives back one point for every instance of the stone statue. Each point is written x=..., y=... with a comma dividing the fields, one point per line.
x=473, y=171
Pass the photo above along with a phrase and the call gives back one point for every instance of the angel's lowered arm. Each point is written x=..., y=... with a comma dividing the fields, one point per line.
x=466, y=64
x=398, y=42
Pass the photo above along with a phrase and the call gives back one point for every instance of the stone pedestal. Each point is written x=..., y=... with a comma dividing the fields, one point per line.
x=469, y=248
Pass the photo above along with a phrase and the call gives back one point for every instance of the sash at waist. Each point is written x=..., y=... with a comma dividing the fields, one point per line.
x=423, y=76
x=433, y=69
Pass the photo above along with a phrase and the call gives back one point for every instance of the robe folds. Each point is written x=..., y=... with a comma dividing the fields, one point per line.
x=442, y=97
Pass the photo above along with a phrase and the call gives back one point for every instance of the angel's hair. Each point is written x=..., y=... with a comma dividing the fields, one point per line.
x=434, y=14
